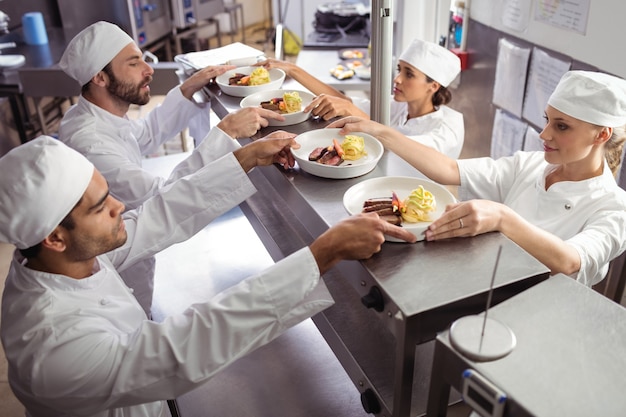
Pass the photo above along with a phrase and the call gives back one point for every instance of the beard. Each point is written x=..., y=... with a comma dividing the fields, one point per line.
x=128, y=92
x=83, y=247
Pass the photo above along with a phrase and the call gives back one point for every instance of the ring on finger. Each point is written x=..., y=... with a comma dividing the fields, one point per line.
x=461, y=223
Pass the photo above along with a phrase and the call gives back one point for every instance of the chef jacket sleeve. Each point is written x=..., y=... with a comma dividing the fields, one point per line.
x=165, y=121
x=182, y=209
x=602, y=240
x=164, y=360
x=486, y=178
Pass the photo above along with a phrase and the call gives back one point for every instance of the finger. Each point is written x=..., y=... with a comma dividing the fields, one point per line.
x=270, y=114
x=399, y=232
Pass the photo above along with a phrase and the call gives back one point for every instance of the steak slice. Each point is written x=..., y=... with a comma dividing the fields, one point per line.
x=317, y=153
x=330, y=158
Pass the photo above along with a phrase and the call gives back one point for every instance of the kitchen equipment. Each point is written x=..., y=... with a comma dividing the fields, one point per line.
x=186, y=13
x=146, y=21
x=341, y=17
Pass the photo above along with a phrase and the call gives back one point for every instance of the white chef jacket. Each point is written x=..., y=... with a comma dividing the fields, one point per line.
x=442, y=129
x=589, y=215
x=116, y=146
x=85, y=348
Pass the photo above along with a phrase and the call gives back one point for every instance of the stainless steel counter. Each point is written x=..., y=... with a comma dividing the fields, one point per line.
x=424, y=286
x=569, y=358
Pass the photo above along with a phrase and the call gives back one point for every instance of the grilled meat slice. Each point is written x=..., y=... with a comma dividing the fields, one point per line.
x=330, y=158
x=317, y=153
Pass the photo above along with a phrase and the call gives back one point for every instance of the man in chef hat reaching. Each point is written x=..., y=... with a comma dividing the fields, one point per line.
x=76, y=340
x=109, y=66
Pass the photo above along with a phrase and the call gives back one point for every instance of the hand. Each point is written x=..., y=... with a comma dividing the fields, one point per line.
x=274, y=148
x=246, y=122
x=202, y=78
x=357, y=237
x=276, y=63
x=351, y=124
x=328, y=107
x=467, y=218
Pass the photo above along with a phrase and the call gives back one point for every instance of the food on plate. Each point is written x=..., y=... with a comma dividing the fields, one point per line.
x=355, y=65
x=288, y=103
x=385, y=208
x=259, y=76
x=354, y=147
x=352, y=54
x=341, y=72
x=415, y=208
x=351, y=149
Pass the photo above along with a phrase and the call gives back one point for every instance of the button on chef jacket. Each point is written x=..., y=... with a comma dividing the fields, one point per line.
x=85, y=348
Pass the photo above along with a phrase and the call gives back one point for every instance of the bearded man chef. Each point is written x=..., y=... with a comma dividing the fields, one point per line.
x=76, y=340
x=109, y=66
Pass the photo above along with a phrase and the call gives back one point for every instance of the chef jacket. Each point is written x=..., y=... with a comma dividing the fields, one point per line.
x=589, y=215
x=442, y=129
x=83, y=347
x=116, y=146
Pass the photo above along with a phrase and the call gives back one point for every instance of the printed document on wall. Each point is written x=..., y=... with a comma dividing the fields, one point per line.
x=543, y=76
x=507, y=136
x=511, y=67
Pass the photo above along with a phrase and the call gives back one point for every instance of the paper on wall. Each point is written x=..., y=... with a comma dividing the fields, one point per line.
x=511, y=68
x=544, y=74
x=507, y=136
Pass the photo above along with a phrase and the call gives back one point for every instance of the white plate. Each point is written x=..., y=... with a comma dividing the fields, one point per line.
x=349, y=169
x=277, y=76
x=254, y=100
x=383, y=186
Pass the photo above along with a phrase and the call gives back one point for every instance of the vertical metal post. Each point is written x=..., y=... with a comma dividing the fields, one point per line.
x=381, y=65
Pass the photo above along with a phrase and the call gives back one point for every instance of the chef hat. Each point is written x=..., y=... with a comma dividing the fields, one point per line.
x=41, y=183
x=592, y=97
x=92, y=49
x=433, y=60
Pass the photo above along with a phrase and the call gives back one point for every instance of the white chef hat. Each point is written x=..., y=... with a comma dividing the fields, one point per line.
x=593, y=97
x=92, y=49
x=433, y=60
x=41, y=183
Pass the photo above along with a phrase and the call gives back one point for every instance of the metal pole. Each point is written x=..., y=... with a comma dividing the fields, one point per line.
x=381, y=65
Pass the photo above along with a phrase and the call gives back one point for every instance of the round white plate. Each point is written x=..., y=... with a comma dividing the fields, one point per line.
x=277, y=76
x=348, y=169
x=254, y=100
x=383, y=187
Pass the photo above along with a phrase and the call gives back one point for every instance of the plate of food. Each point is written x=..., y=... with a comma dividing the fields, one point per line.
x=410, y=202
x=325, y=153
x=353, y=53
x=289, y=103
x=243, y=81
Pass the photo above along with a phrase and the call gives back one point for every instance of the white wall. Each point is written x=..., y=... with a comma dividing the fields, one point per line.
x=601, y=46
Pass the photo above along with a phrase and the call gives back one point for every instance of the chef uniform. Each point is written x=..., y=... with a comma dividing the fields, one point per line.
x=589, y=215
x=84, y=346
x=116, y=145
x=442, y=129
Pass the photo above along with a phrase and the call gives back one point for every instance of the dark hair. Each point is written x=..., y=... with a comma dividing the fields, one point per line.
x=107, y=70
x=68, y=223
x=441, y=96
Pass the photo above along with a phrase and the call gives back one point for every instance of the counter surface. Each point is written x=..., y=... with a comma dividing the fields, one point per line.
x=568, y=360
x=424, y=286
